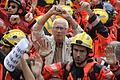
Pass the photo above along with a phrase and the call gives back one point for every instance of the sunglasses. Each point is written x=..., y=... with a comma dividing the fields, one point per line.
x=12, y=6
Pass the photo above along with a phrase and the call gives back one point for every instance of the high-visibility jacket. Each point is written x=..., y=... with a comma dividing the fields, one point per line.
x=117, y=8
x=82, y=15
x=99, y=34
x=115, y=69
x=100, y=44
x=7, y=76
x=102, y=36
x=113, y=31
x=61, y=71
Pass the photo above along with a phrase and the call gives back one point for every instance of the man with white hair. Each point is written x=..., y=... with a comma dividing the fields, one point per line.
x=59, y=43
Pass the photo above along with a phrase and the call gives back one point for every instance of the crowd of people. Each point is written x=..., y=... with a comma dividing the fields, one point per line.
x=59, y=40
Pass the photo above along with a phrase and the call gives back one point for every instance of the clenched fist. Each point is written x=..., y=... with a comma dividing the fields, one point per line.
x=14, y=19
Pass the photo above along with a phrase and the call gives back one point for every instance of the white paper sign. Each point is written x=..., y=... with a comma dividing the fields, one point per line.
x=13, y=58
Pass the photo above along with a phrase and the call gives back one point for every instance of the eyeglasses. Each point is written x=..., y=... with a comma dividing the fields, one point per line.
x=12, y=6
x=59, y=28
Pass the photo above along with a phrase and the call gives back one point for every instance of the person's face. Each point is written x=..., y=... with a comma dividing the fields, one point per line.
x=6, y=50
x=79, y=54
x=95, y=2
x=59, y=31
x=111, y=58
x=12, y=8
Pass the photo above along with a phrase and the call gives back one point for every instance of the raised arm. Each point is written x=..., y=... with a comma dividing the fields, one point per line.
x=75, y=26
x=94, y=23
x=39, y=24
x=28, y=75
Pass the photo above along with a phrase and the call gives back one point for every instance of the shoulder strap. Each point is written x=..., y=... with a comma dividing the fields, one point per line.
x=88, y=67
x=67, y=69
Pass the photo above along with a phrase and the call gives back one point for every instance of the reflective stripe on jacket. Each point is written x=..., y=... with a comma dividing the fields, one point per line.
x=57, y=70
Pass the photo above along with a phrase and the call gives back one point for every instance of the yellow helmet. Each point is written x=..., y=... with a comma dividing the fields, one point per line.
x=70, y=3
x=82, y=39
x=12, y=37
x=47, y=25
x=103, y=15
x=49, y=1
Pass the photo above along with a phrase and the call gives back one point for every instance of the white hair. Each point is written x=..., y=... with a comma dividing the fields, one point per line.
x=62, y=21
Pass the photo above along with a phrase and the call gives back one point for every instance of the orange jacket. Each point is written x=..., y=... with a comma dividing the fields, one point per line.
x=7, y=77
x=82, y=15
x=57, y=70
x=100, y=44
x=2, y=31
x=116, y=5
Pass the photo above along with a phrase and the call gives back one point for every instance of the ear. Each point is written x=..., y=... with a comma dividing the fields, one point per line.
x=20, y=11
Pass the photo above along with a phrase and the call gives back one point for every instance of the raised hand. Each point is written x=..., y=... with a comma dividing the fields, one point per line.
x=85, y=5
x=37, y=66
x=65, y=14
x=56, y=9
x=14, y=19
x=29, y=16
x=33, y=5
x=42, y=46
x=2, y=24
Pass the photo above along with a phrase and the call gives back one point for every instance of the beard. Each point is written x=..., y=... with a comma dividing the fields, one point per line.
x=79, y=62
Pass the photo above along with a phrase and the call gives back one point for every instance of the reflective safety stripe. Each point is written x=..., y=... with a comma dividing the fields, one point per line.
x=1, y=71
x=8, y=77
x=54, y=67
x=70, y=77
x=95, y=22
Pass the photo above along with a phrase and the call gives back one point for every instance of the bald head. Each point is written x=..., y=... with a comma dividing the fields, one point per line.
x=61, y=21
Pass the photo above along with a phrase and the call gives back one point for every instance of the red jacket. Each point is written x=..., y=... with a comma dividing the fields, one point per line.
x=7, y=77
x=58, y=70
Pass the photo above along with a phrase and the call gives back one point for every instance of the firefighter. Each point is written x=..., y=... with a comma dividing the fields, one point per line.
x=83, y=66
x=8, y=41
x=113, y=58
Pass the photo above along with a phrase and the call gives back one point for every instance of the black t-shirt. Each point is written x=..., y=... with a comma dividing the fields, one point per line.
x=78, y=73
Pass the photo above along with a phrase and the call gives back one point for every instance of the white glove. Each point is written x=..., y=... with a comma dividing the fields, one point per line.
x=85, y=5
x=28, y=16
x=2, y=24
x=14, y=19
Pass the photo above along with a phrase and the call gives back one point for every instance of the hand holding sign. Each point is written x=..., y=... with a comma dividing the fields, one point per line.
x=13, y=58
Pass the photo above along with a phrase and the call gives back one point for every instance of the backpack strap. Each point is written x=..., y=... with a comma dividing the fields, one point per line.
x=88, y=67
x=67, y=69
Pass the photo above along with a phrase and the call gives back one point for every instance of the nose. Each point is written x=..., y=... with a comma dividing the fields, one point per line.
x=59, y=30
x=9, y=8
x=78, y=54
